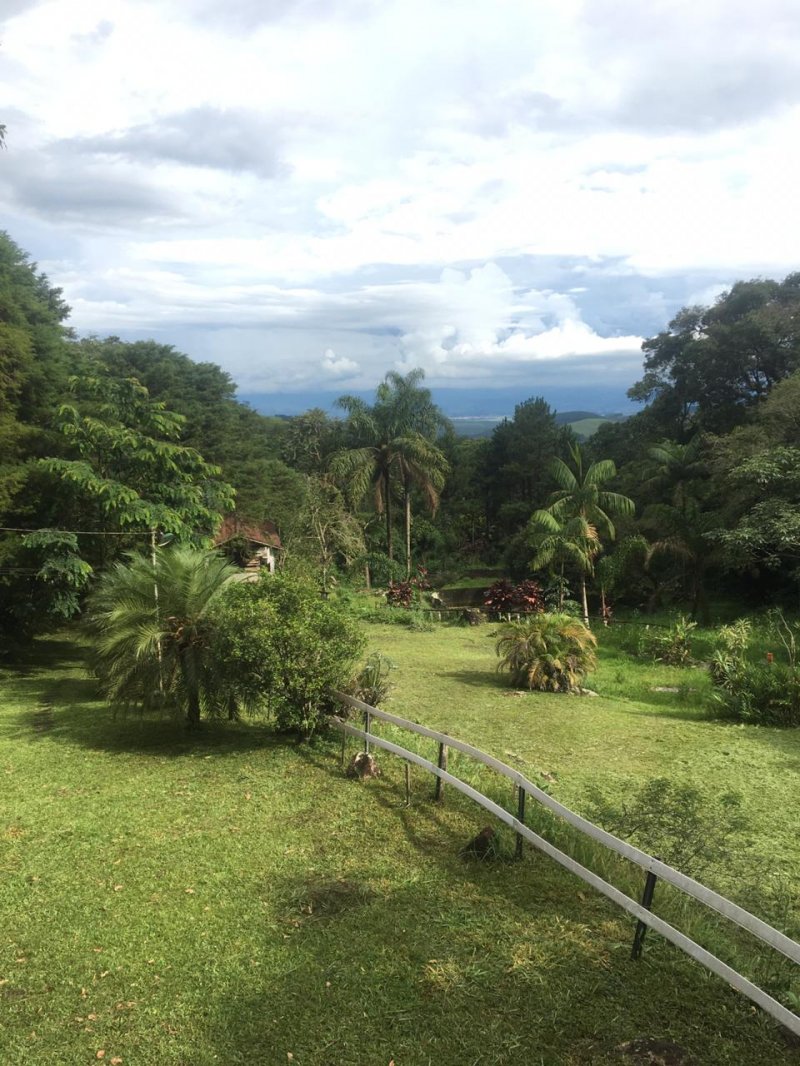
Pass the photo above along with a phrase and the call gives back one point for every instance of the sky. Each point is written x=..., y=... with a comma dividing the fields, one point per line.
x=509, y=194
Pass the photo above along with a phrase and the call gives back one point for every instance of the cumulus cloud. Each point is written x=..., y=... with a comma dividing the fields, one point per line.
x=337, y=366
x=392, y=182
x=235, y=139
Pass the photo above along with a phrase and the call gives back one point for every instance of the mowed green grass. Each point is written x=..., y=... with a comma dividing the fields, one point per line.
x=233, y=898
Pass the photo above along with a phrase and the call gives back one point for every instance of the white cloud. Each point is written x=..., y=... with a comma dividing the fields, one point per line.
x=337, y=367
x=367, y=178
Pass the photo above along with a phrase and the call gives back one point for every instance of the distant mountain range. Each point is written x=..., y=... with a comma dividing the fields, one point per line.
x=490, y=405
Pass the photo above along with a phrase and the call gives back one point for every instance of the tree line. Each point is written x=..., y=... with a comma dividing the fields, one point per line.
x=105, y=444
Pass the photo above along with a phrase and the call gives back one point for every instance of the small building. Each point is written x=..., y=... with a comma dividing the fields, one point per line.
x=251, y=545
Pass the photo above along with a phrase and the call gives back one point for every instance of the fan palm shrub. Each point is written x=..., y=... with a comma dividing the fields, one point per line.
x=151, y=631
x=547, y=652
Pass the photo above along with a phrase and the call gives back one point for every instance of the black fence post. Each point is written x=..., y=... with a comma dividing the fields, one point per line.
x=520, y=818
x=647, y=903
x=367, y=719
x=439, y=787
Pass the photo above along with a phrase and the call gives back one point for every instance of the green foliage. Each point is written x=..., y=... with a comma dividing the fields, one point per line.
x=683, y=827
x=671, y=647
x=757, y=693
x=126, y=467
x=283, y=649
x=714, y=363
x=766, y=692
x=325, y=530
x=570, y=530
x=152, y=631
x=514, y=472
x=548, y=652
x=371, y=684
x=406, y=618
x=382, y=569
x=391, y=448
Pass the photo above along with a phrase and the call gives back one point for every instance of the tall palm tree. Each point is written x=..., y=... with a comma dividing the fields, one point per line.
x=149, y=647
x=422, y=466
x=571, y=527
x=679, y=526
x=390, y=448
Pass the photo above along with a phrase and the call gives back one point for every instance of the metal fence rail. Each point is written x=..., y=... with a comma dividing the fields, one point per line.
x=758, y=928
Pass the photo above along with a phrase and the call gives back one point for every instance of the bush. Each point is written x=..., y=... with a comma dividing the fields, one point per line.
x=371, y=684
x=408, y=593
x=673, y=647
x=284, y=649
x=674, y=822
x=764, y=693
x=504, y=598
x=548, y=652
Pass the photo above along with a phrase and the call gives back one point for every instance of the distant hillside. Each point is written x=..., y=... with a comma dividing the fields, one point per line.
x=582, y=423
x=583, y=428
x=566, y=418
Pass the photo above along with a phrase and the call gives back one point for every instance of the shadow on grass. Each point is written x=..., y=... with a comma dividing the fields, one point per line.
x=64, y=708
x=479, y=965
x=489, y=679
x=57, y=651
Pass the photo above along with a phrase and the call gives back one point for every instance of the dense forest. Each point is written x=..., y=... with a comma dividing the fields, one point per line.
x=105, y=444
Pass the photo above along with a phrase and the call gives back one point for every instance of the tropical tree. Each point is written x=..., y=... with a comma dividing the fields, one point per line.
x=420, y=467
x=389, y=448
x=326, y=530
x=679, y=526
x=571, y=528
x=151, y=631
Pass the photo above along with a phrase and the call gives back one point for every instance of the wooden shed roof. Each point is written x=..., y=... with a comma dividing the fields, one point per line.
x=263, y=533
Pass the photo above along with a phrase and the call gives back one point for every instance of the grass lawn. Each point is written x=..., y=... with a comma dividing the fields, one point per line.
x=232, y=898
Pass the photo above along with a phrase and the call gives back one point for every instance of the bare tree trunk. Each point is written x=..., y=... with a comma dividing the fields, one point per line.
x=388, y=518
x=408, y=531
x=189, y=671
x=584, y=600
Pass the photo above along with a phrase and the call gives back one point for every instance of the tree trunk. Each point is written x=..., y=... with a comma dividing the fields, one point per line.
x=388, y=519
x=561, y=590
x=584, y=600
x=408, y=530
x=190, y=681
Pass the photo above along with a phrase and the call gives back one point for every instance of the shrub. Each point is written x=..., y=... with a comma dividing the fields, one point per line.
x=390, y=616
x=504, y=598
x=764, y=693
x=677, y=823
x=548, y=652
x=284, y=649
x=673, y=647
x=371, y=684
x=409, y=592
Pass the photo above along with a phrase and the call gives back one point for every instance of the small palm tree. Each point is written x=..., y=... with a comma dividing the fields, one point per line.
x=548, y=652
x=150, y=647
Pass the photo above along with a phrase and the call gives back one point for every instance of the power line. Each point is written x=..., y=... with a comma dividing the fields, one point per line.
x=81, y=532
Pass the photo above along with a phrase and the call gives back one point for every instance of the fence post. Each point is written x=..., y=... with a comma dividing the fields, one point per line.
x=408, y=784
x=520, y=817
x=344, y=747
x=442, y=763
x=367, y=719
x=647, y=902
